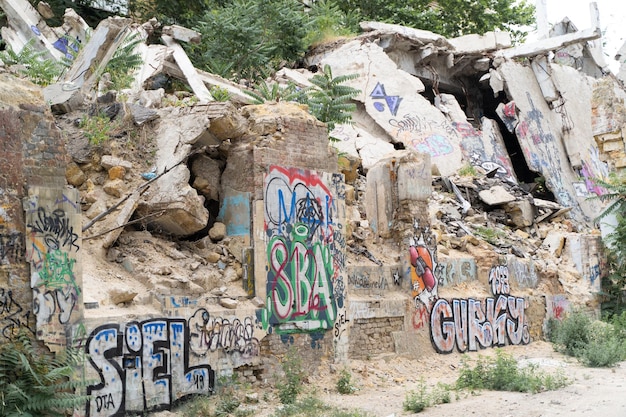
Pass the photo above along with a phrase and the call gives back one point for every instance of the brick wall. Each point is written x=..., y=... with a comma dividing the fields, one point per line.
x=32, y=153
x=373, y=336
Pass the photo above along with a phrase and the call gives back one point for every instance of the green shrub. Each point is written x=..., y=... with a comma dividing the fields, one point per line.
x=572, y=334
x=593, y=342
x=35, y=382
x=344, y=383
x=502, y=373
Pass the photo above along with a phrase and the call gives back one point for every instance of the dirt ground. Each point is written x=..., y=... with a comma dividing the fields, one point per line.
x=384, y=382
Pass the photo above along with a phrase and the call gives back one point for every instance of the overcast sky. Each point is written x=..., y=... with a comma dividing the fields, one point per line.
x=612, y=21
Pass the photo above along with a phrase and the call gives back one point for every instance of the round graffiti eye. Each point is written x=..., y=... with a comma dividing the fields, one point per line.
x=379, y=106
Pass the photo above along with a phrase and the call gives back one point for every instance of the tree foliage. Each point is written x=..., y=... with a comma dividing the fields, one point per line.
x=450, y=18
x=250, y=38
x=330, y=101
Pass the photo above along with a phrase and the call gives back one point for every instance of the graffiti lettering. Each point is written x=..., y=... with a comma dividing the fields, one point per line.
x=499, y=280
x=305, y=252
x=340, y=325
x=142, y=367
x=363, y=282
x=12, y=315
x=420, y=315
x=300, y=284
x=469, y=324
x=456, y=271
x=55, y=228
x=212, y=333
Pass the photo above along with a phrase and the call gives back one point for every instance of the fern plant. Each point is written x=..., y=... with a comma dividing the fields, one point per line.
x=34, y=382
x=330, y=101
x=34, y=67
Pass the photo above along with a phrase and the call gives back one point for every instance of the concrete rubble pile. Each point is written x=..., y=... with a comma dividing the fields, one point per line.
x=454, y=214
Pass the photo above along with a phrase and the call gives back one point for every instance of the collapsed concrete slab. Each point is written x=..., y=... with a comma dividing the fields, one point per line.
x=184, y=213
x=391, y=98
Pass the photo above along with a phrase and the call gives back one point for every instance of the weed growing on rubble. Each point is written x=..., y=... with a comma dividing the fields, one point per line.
x=489, y=234
x=291, y=385
x=503, y=373
x=421, y=398
x=97, y=128
x=311, y=406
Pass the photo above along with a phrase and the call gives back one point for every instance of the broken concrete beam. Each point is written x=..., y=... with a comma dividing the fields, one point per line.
x=543, y=74
x=182, y=34
x=595, y=47
x=185, y=65
x=28, y=24
x=237, y=94
x=115, y=224
x=547, y=45
x=474, y=44
x=421, y=37
x=95, y=55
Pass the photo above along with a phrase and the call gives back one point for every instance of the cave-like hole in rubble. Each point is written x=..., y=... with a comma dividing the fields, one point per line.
x=530, y=180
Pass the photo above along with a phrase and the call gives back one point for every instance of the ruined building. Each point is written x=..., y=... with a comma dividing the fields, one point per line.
x=223, y=234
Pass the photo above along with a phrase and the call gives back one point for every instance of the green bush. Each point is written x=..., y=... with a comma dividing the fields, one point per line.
x=416, y=401
x=593, y=342
x=502, y=373
x=344, y=383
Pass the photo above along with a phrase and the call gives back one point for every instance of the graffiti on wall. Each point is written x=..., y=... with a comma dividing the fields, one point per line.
x=423, y=134
x=12, y=315
x=52, y=227
x=457, y=270
x=142, y=366
x=393, y=102
x=207, y=333
x=494, y=157
x=304, y=251
x=545, y=154
x=557, y=306
x=423, y=266
x=470, y=324
x=363, y=280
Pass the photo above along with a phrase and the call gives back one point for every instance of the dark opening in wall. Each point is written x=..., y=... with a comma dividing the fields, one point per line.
x=534, y=181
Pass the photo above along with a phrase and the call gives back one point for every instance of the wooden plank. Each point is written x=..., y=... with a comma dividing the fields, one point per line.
x=185, y=65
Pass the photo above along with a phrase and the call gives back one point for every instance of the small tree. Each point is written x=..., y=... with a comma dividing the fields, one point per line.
x=330, y=101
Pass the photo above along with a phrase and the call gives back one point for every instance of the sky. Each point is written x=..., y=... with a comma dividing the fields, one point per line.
x=612, y=21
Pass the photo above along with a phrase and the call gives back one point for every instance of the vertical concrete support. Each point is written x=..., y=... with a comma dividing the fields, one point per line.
x=541, y=69
x=53, y=239
x=395, y=187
